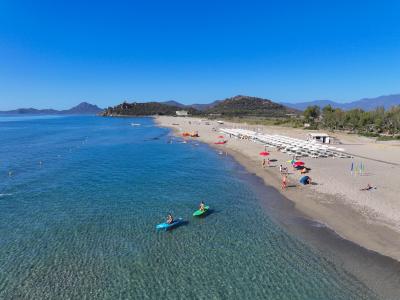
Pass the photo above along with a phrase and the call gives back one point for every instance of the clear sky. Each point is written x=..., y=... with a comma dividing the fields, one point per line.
x=55, y=54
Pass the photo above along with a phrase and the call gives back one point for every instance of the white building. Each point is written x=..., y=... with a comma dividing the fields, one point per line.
x=182, y=113
x=319, y=137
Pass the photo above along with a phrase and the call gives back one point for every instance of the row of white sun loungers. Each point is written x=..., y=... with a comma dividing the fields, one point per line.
x=291, y=146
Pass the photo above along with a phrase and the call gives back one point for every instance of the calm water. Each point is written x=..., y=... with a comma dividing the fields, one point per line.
x=78, y=216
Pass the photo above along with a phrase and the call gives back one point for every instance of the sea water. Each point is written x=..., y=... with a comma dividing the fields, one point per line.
x=80, y=198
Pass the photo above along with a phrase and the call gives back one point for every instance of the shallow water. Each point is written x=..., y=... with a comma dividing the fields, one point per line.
x=79, y=208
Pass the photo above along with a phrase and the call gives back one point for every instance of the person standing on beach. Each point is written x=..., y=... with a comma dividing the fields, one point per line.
x=284, y=182
x=263, y=163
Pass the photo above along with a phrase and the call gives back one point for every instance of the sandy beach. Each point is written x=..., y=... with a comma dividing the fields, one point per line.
x=370, y=219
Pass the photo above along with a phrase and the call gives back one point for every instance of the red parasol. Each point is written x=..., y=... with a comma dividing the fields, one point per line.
x=298, y=163
x=264, y=153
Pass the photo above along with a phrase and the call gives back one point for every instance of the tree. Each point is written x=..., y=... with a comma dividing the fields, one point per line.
x=312, y=113
x=328, y=117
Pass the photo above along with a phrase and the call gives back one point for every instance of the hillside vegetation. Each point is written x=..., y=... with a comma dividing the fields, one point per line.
x=238, y=106
x=143, y=109
x=250, y=106
x=378, y=122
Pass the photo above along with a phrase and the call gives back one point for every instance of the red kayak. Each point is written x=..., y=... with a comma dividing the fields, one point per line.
x=220, y=143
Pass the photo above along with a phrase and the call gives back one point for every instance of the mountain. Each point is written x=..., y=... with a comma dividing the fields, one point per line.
x=304, y=105
x=83, y=108
x=204, y=107
x=372, y=103
x=200, y=107
x=30, y=111
x=239, y=106
x=365, y=103
x=174, y=103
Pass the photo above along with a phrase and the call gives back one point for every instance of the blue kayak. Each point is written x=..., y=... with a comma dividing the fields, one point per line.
x=167, y=226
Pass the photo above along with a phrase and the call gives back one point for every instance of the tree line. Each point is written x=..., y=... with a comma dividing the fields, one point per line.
x=371, y=123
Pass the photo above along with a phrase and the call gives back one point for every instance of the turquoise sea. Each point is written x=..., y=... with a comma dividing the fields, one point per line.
x=80, y=198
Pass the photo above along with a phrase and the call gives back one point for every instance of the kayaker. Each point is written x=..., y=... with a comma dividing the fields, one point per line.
x=170, y=219
x=202, y=206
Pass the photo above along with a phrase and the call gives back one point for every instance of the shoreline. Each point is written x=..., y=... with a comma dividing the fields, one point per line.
x=342, y=252
x=372, y=233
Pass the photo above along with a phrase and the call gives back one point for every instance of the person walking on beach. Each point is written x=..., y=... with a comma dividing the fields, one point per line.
x=263, y=163
x=284, y=182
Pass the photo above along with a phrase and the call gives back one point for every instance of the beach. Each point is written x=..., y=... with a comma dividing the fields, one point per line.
x=78, y=218
x=370, y=219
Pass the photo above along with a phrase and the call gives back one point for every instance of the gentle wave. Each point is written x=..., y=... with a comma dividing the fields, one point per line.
x=6, y=194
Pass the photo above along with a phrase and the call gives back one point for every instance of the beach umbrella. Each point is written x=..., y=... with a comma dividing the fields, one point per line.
x=298, y=163
x=264, y=153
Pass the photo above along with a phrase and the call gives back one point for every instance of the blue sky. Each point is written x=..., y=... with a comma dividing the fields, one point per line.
x=59, y=54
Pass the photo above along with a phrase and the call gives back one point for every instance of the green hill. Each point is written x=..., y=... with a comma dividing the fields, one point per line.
x=240, y=106
x=143, y=109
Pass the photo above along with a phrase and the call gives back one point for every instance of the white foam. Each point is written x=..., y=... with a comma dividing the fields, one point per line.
x=4, y=195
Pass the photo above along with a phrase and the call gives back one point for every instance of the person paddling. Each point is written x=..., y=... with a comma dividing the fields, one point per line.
x=170, y=219
x=202, y=206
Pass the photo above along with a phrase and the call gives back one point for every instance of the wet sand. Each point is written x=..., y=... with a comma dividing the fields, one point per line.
x=369, y=219
x=378, y=272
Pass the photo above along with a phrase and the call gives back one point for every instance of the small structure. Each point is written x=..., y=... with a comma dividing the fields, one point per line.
x=319, y=137
x=182, y=113
x=291, y=115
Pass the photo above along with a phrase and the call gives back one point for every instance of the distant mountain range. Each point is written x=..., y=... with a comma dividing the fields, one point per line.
x=83, y=108
x=235, y=106
x=238, y=106
x=364, y=104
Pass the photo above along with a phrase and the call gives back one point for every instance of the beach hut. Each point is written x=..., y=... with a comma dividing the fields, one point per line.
x=182, y=113
x=319, y=137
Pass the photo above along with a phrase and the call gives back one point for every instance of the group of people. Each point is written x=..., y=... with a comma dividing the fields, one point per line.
x=284, y=172
x=170, y=218
x=303, y=180
x=264, y=162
